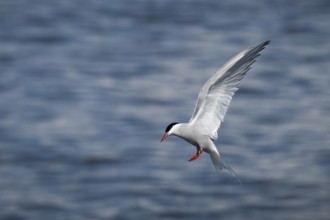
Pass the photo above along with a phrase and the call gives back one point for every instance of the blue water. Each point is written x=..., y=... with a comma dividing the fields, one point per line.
x=88, y=87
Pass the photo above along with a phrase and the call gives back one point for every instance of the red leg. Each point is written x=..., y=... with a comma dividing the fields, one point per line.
x=199, y=152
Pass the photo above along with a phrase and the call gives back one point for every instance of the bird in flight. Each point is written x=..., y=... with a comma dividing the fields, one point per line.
x=211, y=107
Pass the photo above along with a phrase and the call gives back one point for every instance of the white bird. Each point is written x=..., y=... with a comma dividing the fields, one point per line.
x=211, y=107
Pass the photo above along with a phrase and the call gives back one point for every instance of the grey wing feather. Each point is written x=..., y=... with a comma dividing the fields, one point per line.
x=216, y=94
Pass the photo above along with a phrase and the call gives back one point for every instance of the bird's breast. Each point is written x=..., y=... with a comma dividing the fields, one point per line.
x=192, y=136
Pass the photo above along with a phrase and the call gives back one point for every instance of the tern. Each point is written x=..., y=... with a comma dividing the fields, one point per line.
x=211, y=107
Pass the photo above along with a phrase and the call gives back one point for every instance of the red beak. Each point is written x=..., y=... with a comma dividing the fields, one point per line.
x=164, y=137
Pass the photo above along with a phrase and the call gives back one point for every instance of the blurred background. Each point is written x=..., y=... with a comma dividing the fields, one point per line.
x=88, y=87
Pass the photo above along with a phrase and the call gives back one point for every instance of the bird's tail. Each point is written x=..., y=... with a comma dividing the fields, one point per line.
x=220, y=164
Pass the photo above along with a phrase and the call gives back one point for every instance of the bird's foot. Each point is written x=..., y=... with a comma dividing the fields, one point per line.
x=199, y=152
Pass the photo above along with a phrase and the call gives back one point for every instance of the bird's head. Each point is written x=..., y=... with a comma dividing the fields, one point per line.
x=169, y=130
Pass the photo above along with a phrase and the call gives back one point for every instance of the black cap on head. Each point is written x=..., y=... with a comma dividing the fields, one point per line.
x=169, y=127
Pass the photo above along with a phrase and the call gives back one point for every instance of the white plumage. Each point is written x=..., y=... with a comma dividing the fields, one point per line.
x=212, y=104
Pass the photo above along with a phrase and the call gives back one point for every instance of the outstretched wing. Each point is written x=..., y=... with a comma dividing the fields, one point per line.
x=216, y=94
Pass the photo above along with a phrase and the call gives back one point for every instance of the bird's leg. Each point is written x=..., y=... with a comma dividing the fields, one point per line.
x=199, y=152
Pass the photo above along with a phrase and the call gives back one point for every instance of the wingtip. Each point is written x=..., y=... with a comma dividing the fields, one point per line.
x=266, y=43
x=255, y=50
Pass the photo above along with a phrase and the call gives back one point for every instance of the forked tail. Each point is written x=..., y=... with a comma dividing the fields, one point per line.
x=220, y=164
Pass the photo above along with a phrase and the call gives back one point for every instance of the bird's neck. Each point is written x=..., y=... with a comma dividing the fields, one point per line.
x=180, y=129
x=186, y=132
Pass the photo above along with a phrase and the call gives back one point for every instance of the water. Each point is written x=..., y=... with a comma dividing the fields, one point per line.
x=88, y=87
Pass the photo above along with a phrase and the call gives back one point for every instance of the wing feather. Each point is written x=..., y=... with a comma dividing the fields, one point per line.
x=216, y=94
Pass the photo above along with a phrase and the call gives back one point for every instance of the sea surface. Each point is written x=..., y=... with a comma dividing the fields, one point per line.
x=87, y=89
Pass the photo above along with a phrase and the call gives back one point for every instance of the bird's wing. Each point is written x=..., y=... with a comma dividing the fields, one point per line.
x=216, y=94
